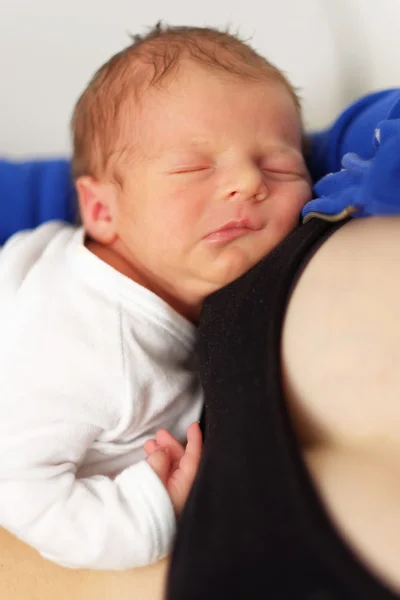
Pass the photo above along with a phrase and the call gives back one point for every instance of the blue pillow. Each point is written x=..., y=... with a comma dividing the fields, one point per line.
x=33, y=192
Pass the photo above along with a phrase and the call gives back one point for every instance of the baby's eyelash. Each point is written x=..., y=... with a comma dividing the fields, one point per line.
x=184, y=170
x=283, y=174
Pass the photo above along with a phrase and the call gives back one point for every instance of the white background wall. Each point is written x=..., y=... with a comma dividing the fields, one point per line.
x=333, y=50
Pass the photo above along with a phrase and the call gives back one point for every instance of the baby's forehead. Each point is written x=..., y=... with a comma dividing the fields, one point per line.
x=175, y=116
x=195, y=88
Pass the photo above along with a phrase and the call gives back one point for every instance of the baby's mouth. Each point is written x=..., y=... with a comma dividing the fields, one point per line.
x=230, y=231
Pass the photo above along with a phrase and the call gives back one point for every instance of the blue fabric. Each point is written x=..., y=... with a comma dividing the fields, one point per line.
x=353, y=131
x=361, y=151
x=33, y=192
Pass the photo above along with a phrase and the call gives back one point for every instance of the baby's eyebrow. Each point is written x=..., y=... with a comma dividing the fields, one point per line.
x=188, y=148
x=192, y=145
x=183, y=152
x=200, y=148
x=284, y=152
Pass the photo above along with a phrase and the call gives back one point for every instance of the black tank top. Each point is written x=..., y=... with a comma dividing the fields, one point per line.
x=254, y=526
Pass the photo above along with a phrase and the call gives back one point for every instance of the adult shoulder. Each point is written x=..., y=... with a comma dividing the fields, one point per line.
x=340, y=344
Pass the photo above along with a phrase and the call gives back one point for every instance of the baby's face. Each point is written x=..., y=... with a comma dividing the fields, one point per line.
x=217, y=181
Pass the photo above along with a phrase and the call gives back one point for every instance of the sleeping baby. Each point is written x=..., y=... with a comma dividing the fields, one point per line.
x=188, y=168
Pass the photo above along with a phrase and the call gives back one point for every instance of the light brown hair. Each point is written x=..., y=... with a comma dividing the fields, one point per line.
x=99, y=118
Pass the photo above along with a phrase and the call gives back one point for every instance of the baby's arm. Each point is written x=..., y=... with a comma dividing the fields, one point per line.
x=94, y=522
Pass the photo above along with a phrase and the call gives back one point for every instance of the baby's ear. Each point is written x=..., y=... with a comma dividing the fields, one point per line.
x=96, y=203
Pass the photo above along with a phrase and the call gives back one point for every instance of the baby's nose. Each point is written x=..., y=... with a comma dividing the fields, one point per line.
x=248, y=184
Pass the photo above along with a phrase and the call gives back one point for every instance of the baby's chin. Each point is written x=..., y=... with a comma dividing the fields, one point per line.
x=230, y=265
x=225, y=264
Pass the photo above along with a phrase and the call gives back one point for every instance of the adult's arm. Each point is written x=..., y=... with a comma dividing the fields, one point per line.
x=25, y=575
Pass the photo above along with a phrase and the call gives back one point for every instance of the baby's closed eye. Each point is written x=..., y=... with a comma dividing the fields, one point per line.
x=284, y=175
x=190, y=169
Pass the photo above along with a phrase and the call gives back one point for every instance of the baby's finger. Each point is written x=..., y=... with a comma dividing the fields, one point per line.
x=160, y=462
x=194, y=444
x=165, y=439
x=191, y=459
x=150, y=446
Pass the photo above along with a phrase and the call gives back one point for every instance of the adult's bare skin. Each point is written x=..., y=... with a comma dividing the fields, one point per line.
x=24, y=575
x=341, y=355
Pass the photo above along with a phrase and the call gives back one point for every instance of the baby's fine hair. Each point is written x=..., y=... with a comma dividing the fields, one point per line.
x=100, y=117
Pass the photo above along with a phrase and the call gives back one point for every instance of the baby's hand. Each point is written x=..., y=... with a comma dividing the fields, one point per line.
x=176, y=465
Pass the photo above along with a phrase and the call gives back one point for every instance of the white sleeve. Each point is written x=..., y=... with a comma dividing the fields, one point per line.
x=96, y=522
x=61, y=379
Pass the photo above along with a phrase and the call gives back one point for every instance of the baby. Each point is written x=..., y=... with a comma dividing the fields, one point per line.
x=188, y=167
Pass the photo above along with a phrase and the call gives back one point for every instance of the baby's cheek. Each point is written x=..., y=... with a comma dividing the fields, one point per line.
x=297, y=195
x=286, y=218
x=304, y=193
x=188, y=214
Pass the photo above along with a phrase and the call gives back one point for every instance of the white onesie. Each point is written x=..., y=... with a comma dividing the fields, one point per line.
x=91, y=365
